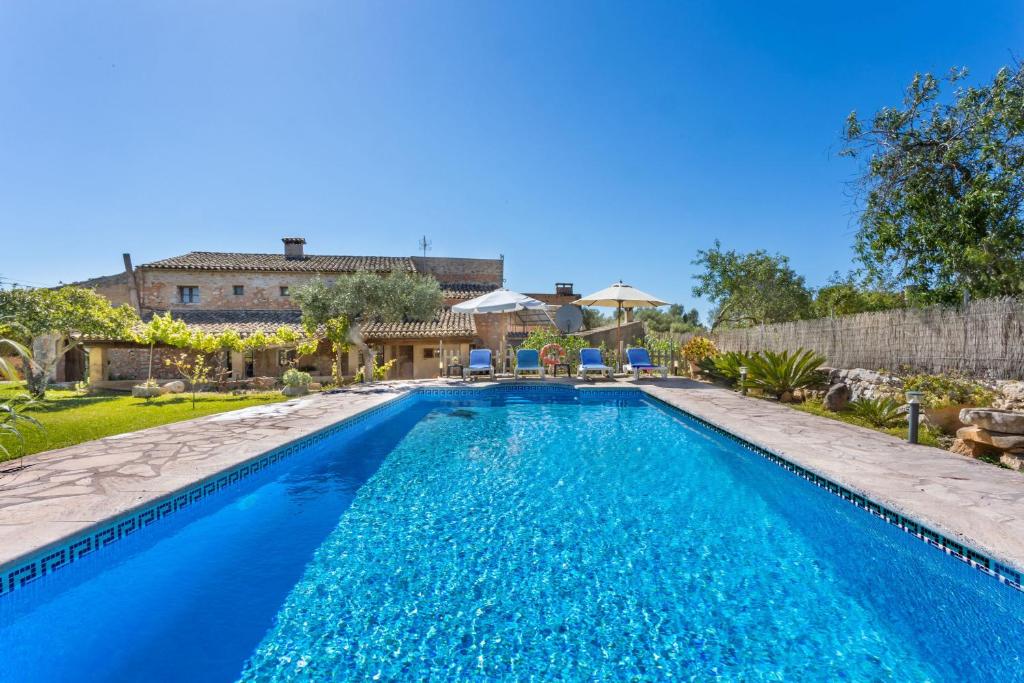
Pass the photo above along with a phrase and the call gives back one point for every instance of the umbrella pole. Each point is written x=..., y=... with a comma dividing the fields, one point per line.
x=618, y=339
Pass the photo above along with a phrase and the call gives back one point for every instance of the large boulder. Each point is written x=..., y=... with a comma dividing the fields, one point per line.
x=175, y=387
x=1015, y=461
x=998, y=439
x=837, y=396
x=1003, y=421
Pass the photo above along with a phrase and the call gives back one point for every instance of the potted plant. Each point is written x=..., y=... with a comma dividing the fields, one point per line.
x=296, y=382
x=148, y=389
x=696, y=350
x=945, y=396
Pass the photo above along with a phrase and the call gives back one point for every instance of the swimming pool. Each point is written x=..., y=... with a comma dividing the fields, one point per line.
x=517, y=534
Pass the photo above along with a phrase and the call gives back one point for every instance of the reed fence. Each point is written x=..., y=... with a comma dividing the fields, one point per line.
x=984, y=339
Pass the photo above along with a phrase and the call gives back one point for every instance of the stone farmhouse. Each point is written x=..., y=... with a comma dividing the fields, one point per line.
x=249, y=292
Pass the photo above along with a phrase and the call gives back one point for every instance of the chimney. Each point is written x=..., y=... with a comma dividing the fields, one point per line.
x=293, y=247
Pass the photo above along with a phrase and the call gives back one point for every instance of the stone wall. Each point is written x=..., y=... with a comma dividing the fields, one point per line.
x=462, y=270
x=871, y=384
x=159, y=289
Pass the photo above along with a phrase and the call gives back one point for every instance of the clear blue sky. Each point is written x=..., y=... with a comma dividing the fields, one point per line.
x=585, y=141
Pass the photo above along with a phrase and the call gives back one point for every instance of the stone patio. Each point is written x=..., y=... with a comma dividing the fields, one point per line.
x=53, y=496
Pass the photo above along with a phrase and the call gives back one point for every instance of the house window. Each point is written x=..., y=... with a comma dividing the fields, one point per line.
x=429, y=352
x=239, y=290
x=188, y=295
x=284, y=291
x=285, y=357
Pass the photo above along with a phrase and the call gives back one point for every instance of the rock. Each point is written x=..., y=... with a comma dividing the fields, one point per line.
x=264, y=382
x=973, y=449
x=1015, y=461
x=786, y=397
x=295, y=391
x=998, y=439
x=175, y=387
x=946, y=419
x=837, y=397
x=1010, y=396
x=315, y=386
x=1003, y=421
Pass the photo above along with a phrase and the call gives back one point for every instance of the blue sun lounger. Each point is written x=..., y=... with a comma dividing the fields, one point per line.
x=640, y=361
x=590, y=361
x=479, y=364
x=528, y=360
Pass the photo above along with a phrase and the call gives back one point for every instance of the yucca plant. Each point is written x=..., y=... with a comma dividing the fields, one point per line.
x=725, y=366
x=12, y=421
x=879, y=412
x=778, y=373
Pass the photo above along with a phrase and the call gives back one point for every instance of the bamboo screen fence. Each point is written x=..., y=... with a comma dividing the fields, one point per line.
x=983, y=339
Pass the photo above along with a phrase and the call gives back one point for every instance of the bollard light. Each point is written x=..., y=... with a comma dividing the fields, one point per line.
x=913, y=414
x=743, y=380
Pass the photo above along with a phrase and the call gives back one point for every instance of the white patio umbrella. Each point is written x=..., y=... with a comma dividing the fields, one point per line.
x=620, y=296
x=499, y=301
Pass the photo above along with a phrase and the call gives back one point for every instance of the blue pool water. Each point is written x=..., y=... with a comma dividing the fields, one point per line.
x=517, y=538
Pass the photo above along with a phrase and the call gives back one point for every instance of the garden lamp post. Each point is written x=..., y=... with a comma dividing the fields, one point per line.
x=913, y=414
x=743, y=380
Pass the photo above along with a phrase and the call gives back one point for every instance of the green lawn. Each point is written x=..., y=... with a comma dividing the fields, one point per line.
x=69, y=417
x=926, y=436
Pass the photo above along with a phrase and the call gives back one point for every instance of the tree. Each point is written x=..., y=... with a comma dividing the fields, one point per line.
x=593, y=318
x=364, y=298
x=942, y=188
x=675, y=319
x=54, y=321
x=192, y=368
x=161, y=329
x=750, y=289
x=844, y=296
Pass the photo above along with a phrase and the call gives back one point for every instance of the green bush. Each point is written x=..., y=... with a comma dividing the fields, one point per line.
x=946, y=390
x=540, y=338
x=699, y=348
x=725, y=366
x=296, y=378
x=778, y=373
x=879, y=412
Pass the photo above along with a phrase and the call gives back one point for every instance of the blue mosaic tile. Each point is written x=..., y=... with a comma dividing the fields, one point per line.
x=47, y=561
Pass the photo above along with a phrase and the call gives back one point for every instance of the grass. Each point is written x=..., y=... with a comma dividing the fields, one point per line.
x=926, y=435
x=70, y=418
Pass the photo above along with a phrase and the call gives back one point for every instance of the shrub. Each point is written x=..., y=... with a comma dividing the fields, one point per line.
x=946, y=390
x=699, y=348
x=539, y=338
x=880, y=412
x=380, y=372
x=779, y=373
x=296, y=378
x=725, y=366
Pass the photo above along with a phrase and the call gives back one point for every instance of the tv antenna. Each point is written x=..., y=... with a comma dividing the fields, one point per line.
x=425, y=244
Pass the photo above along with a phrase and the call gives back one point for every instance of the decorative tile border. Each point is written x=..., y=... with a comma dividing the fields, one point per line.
x=986, y=565
x=43, y=563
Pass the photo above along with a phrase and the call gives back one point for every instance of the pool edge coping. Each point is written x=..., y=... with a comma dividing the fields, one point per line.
x=31, y=566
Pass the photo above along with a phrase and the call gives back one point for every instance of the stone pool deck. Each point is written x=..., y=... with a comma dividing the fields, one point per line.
x=53, y=496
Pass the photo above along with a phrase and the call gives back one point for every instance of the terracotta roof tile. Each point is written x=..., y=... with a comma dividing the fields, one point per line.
x=312, y=263
x=469, y=290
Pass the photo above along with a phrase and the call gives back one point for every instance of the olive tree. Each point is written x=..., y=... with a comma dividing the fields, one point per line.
x=942, y=188
x=54, y=321
x=355, y=301
x=750, y=289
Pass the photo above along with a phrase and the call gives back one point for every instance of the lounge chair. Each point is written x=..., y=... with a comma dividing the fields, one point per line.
x=590, y=361
x=528, y=360
x=479, y=363
x=640, y=361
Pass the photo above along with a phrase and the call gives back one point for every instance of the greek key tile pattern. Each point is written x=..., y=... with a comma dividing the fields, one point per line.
x=986, y=565
x=50, y=560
